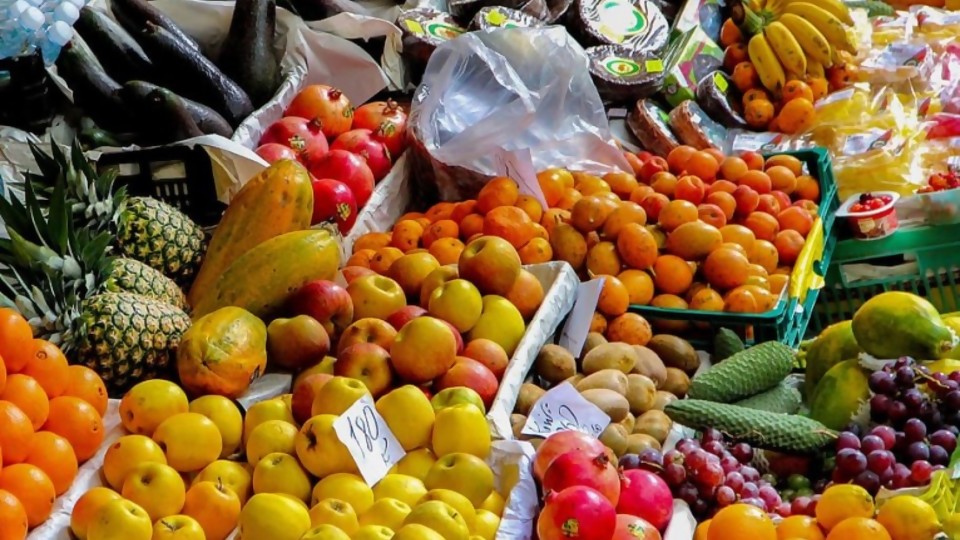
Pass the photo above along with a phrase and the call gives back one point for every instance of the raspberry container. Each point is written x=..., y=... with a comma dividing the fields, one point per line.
x=871, y=224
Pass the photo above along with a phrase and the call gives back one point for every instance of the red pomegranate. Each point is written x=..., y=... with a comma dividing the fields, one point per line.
x=576, y=512
x=315, y=150
x=325, y=105
x=561, y=443
x=646, y=495
x=273, y=152
x=375, y=153
x=292, y=131
x=634, y=528
x=388, y=122
x=583, y=469
x=348, y=168
x=333, y=200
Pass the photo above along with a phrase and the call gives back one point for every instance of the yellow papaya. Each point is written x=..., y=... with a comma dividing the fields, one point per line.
x=946, y=365
x=840, y=394
x=222, y=353
x=276, y=201
x=896, y=323
x=953, y=321
x=834, y=345
x=262, y=279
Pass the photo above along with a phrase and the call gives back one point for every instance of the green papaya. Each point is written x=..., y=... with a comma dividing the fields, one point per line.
x=895, y=324
x=953, y=321
x=840, y=394
x=834, y=344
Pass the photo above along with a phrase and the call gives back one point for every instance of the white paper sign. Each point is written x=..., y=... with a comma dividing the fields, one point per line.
x=518, y=165
x=368, y=438
x=564, y=409
x=575, y=331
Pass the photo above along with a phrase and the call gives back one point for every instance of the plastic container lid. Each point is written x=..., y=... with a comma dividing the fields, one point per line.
x=60, y=33
x=77, y=3
x=67, y=13
x=844, y=210
x=17, y=8
x=32, y=19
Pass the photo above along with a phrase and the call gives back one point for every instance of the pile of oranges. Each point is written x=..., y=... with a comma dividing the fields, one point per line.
x=792, y=111
x=697, y=230
x=51, y=421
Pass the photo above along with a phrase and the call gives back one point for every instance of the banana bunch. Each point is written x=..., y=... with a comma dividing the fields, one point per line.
x=796, y=37
x=940, y=494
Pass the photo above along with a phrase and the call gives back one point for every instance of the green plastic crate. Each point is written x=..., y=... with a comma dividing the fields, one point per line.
x=787, y=322
x=935, y=251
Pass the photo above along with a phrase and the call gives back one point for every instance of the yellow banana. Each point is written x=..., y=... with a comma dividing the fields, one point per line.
x=836, y=8
x=786, y=47
x=775, y=7
x=766, y=63
x=815, y=69
x=832, y=29
x=810, y=39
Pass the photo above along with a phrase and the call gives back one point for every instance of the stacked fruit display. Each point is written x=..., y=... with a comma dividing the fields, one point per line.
x=178, y=473
x=346, y=150
x=51, y=421
x=784, y=55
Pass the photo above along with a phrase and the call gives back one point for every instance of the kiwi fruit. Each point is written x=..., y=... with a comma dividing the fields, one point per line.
x=619, y=356
x=649, y=364
x=593, y=340
x=675, y=352
x=662, y=399
x=611, y=379
x=615, y=438
x=641, y=393
x=677, y=383
x=638, y=442
x=528, y=396
x=653, y=423
x=611, y=403
x=554, y=364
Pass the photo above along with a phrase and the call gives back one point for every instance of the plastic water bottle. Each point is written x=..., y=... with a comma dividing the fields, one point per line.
x=56, y=36
x=66, y=12
x=20, y=38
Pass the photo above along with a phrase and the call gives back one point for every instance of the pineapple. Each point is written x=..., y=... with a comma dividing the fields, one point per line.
x=146, y=229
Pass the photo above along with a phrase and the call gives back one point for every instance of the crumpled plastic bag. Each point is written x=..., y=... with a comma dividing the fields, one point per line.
x=487, y=92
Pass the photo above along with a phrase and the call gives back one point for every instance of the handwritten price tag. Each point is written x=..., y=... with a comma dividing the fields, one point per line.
x=574, y=333
x=518, y=165
x=564, y=409
x=368, y=438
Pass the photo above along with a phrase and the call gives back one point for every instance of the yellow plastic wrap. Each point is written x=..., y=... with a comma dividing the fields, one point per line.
x=898, y=27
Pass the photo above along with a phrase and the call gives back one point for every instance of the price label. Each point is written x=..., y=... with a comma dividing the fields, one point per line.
x=518, y=165
x=575, y=331
x=564, y=409
x=368, y=439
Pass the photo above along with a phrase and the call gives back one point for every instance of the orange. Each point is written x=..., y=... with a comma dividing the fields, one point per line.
x=745, y=76
x=446, y=250
x=797, y=116
x=858, y=528
x=799, y=528
x=672, y=275
x=782, y=179
x=84, y=383
x=373, y=240
x=27, y=394
x=730, y=33
x=795, y=218
x=470, y=226
x=568, y=199
x=591, y=212
x=668, y=326
x=440, y=211
x=819, y=87
x=741, y=300
x=758, y=113
x=764, y=253
x=637, y=246
x=629, y=328
x=621, y=183
x=734, y=55
x=739, y=521
x=641, y=193
x=598, y=323
x=706, y=299
x=537, y=250
x=406, y=235
x=665, y=183
x=678, y=157
x=807, y=188
x=676, y=213
x=531, y=206
x=763, y=225
x=32, y=487
x=738, y=234
x=796, y=90
x=3, y=376
x=758, y=181
x=510, y=223
x=778, y=282
x=443, y=228
x=13, y=517
x=626, y=212
x=410, y=216
x=384, y=259
x=361, y=257
x=54, y=456
x=78, y=422
x=602, y=258
x=789, y=243
x=842, y=76
x=463, y=209
x=497, y=192
x=588, y=184
x=16, y=431
x=614, y=297
x=86, y=508
x=15, y=339
x=726, y=268
x=553, y=182
x=732, y=168
x=703, y=165
x=754, y=94
x=639, y=284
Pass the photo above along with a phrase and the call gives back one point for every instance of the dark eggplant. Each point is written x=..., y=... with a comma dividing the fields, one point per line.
x=135, y=14
x=247, y=54
x=208, y=120
x=117, y=51
x=166, y=114
x=94, y=90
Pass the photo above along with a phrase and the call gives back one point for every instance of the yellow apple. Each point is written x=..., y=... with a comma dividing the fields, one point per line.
x=456, y=396
x=456, y=501
x=226, y=416
x=149, y=403
x=120, y=519
x=178, y=527
x=269, y=437
x=157, y=488
x=458, y=302
x=440, y=517
x=215, y=507
x=270, y=516
x=416, y=463
x=486, y=525
x=411, y=269
x=373, y=532
x=501, y=322
x=368, y=363
x=415, y=531
x=281, y=473
x=229, y=473
x=409, y=415
x=338, y=395
x=348, y=487
x=260, y=412
x=334, y=512
x=401, y=487
x=466, y=474
x=323, y=366
x=320, y=450
x=386, y=512
x=461, y=428
x=424, y=349
x=325, y=532
x=86, y=508
x=124, y=455
x=493, y=504
x=190, y=441
x=491, y=263
x=376, y=297
x=435, y=279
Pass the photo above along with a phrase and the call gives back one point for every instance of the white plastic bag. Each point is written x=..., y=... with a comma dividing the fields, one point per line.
x=508, y=89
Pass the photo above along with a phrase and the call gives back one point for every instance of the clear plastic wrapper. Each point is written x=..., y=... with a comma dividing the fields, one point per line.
x=902, y=63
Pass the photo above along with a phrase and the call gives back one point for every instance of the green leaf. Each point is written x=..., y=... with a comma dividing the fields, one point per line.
x=57, y=224
x=49, y=166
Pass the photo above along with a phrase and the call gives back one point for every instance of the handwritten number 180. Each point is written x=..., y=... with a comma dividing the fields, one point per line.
x=369, y=430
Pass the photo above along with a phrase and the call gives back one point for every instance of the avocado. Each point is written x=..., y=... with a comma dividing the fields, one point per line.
x=117, y=51
x=207, y=119
x=166, y=113
x=248, y=56
x=94, y=90
x=135, y=14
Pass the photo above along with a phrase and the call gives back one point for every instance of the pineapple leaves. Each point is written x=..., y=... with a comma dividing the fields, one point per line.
x=14, y=214
x=49, y=166
x=58, y=221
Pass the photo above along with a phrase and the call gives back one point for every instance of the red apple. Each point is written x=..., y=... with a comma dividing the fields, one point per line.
x=367, y=330
x=456, y=335
x=423, y=350
x=334, y=201
x=471, y=374
x=351, y=273
x=304, y=392
x=369, y=363
x=404, y=315
x=326, y=302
